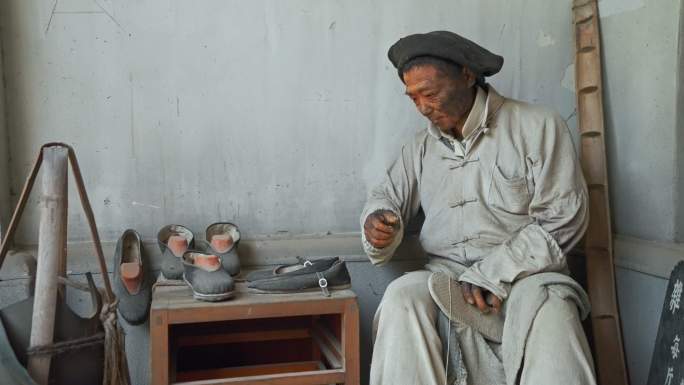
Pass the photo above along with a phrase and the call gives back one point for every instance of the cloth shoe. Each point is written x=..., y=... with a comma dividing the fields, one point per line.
x=319, y=264
x=222, y=240
x=304, y=276
x=132, y=278
x=174, y=240
x=206, y=277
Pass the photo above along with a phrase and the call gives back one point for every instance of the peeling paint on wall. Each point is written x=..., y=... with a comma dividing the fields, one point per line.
x=544, y=39
x=134, y=203
x=568, y=81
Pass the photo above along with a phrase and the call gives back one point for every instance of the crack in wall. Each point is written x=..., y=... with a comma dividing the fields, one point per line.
x=102, y=11
x=110, y=16
x=52, y=14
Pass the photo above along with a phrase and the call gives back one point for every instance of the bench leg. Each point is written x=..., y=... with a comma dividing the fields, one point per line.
x=159, y=348
x=350, y=336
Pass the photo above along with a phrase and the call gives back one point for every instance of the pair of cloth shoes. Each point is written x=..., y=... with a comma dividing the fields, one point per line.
x=321, y=274
x=207, y=266
x=222, y=239
x=133, y=278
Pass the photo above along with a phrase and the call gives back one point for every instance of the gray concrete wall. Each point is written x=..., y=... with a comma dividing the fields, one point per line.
x=642, y=92
x=640, y=46
x=275, y=114
x=679, y=129
x=279, y=115
x=5, y=202
x=135, y=86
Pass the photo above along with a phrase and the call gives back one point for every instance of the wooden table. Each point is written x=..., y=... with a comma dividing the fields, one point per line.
x=275, y=339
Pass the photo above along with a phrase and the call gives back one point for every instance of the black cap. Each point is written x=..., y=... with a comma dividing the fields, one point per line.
x=448, y=46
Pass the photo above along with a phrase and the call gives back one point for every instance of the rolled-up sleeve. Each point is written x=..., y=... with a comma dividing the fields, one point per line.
x=559, y=212
x=398, y=193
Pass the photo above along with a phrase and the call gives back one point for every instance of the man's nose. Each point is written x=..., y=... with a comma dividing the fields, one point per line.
x=424, y=109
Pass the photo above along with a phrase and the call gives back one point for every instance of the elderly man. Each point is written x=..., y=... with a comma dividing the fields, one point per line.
x=504, y=200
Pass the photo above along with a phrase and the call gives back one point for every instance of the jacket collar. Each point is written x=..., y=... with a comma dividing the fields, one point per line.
x=494, y=103
x=481, y=116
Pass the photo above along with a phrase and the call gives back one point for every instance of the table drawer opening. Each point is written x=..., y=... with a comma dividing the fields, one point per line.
x=257, y=348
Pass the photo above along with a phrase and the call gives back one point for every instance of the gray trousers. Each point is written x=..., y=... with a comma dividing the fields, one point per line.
x=408, y=349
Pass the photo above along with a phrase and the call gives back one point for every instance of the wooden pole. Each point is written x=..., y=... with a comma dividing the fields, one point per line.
x=62, y=272
x=51, y=247
x=605, y=317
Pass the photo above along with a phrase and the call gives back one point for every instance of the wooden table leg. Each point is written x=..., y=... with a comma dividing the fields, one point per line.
x=350, y=336
x=159, y=347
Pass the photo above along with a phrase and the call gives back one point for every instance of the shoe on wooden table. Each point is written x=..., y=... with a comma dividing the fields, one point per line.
x=174, y=240
x=205, y=275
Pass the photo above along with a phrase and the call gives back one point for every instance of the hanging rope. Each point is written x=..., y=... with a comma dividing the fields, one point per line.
x=66, y=346
x=115, y=365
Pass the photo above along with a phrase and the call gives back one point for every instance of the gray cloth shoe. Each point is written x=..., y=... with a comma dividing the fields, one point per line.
x=132, y=278
x=321, y=274
x=209, y=282
x=316, y=265
x=172, y=267
x=222, y=240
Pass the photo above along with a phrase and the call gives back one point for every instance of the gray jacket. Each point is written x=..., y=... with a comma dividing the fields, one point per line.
x=507, y=202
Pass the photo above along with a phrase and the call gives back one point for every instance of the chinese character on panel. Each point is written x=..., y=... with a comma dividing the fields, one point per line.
x=674, y=349
x=676, y=296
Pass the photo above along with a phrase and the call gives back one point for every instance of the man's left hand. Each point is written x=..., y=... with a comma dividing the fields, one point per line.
x=480, y=297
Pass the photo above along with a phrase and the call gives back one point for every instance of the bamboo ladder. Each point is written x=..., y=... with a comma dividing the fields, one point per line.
x=605, y=317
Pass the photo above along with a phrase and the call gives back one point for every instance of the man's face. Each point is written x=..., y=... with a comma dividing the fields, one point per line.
x=445, y=101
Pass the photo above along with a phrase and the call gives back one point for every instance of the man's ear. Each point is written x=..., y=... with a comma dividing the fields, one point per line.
x=469, y=76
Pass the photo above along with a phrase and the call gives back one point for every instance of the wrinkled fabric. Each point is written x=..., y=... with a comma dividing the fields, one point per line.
x=508, y=201
x=521, y=309
x=407, y=347
x=543, y=317
x=543, y=341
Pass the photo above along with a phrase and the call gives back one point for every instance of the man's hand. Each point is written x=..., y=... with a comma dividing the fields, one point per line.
x=482, y=298
x=380, y=228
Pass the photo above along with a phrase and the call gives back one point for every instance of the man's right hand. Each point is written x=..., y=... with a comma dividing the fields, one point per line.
x=481, y=298
x=380, y=228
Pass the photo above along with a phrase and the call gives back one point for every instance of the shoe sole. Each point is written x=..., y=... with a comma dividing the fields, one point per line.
x=209, y=297
x=307, y=290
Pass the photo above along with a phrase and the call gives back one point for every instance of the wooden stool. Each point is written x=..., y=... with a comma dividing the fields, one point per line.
x=302, y=338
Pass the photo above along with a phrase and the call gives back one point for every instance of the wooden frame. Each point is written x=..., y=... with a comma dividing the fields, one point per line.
x=336, y=360
x=605, y=317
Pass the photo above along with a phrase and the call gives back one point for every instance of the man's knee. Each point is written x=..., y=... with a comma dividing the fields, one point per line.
x=408, y=291
x=558, y=311
x=557, y=332
x=558, y=324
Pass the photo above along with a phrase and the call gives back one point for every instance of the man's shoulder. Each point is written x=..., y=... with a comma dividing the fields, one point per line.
x=526, y=110
x=532, y=121
x=420, y=138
